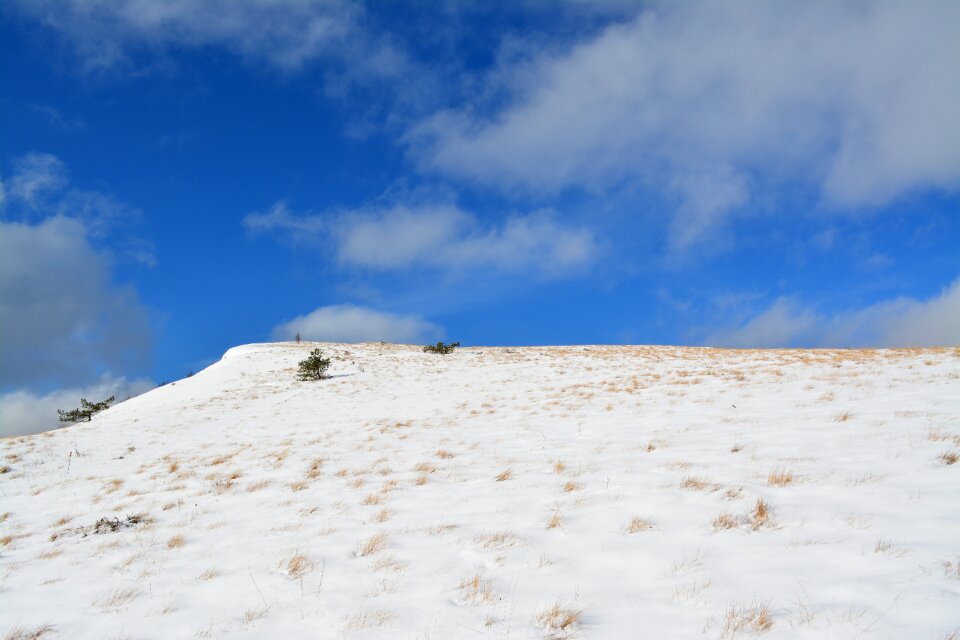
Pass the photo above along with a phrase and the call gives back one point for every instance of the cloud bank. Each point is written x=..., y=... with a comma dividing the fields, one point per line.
x=23, y=412
x=438, y=236
x=701, y=101
x=65, y=321
x=901, y=322
x=350, y=323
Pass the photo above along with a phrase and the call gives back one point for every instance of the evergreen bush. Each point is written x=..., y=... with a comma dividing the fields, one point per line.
x=86, y=410
x=442, y=349
x=314, y=367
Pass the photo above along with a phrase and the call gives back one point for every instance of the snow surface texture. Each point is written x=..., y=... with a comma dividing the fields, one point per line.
x=594, y=492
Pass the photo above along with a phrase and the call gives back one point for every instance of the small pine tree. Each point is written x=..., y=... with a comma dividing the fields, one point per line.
x=442, y=349
x=86, y=411
x=314, y=367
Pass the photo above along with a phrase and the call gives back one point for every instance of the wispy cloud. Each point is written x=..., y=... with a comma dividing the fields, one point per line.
x=438, y=235
x=287, y=35
x=854, y=99
x=351, y=323
x=899, y=322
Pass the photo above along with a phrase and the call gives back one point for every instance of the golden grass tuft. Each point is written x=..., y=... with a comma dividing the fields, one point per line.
x=571, y=486
x=504, y=475
x=425, y=467
x=638, y=525
x=116, y=599
x=22, y=633
x=559, y=618
x=444, y=454
x=559, y=467
x=844, y=416
x=756, y=618
x=475, y=590
x=760, y=514
x=779, y=478
x=725, y=521
x=373, y=499
x=421, y=479
x=373, y=545
x=694, y=483
x=950, y=457
x=383, y=515
x=499, y=540
x=176, y=542
x=555, y=521
x=252, y=615
x=314, y=471
x=367, y=620
x=297, y=565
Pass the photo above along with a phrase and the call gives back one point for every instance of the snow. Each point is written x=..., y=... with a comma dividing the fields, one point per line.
x=275, y=508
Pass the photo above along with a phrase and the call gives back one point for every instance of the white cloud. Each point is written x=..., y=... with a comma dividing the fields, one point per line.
x=35, y=176
x=279, y=219
x=63, y=318
x=285, y=34
x=349, y=323
x=856, y=98
x=443, y=236
x=901, y=322
x=439, y=235
x=23, y=412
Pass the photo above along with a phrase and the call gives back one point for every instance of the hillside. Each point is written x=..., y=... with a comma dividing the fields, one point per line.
x=594, y=492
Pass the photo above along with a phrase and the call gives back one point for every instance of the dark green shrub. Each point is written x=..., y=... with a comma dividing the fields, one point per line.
x=86, y=410
x=442, y=349
x=314, y=367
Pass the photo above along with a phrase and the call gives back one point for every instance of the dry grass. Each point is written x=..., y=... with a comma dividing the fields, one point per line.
x=638, y=525
x=760, y=514
x=299, y=485
x=444, y=454
x=373, y=499
x=556, y=520
x=296, y=566
x=314, y=471
x=175, y=542
x=425, y=467
x=694, y=483
x=499, y=540
x=21, y=633
x=209, y=574
x=259, y=484
x=504, y=475
x=779, y=478
x=383, y=515
x=559, y=467
x=756, y=618
x=367, y=620
x=950, y=457
x=373, y=545
x=421, y=479
x=725, y=521
x=571, y=486
x=116, y=599
x=252, y=615
x=843, y=416
x=559, y=618
x=475, y=590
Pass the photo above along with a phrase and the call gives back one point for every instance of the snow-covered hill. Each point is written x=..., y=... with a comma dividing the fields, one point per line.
x=595, y=492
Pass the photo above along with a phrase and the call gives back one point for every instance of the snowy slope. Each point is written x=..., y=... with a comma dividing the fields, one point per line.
x=594, y=492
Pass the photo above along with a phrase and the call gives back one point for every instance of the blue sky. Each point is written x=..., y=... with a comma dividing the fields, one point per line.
x=181, y=177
